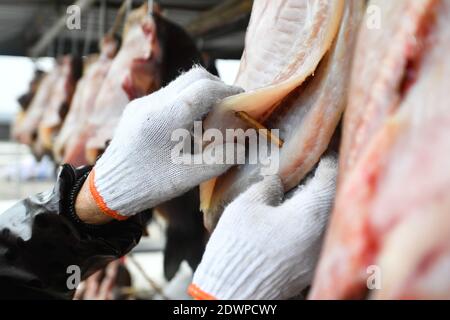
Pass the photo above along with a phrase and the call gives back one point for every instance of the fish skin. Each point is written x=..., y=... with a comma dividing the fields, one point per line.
x=59, y=102
x=138, y=45
x=25, y=101
x=65, y=146
x=272, y=25
x=139, y=70
x=309, y=125
x=392, y=208
x=313, y=30
x=307, y=119
x=36, y=109
x=422, y=268
x=382, y=70
x=69, y=144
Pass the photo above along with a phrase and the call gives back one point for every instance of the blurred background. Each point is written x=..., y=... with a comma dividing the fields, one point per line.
x=34, y=36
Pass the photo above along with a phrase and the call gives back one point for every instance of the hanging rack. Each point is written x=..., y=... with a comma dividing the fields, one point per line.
x=39, y=47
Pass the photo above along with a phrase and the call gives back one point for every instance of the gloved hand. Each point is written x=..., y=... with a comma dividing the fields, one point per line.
x=137, y=172
x=263, y=250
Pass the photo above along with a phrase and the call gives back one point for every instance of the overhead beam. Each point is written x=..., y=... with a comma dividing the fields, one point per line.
x=35, y=2
x=197, y=5
x=190, y=5
x=229, y=46
x=224, y=14
x=53, y=32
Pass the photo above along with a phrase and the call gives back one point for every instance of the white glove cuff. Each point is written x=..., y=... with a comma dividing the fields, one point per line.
x=238, y=272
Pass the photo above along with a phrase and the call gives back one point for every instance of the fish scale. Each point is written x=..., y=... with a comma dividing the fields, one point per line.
x=398, y=216
x=319, y=100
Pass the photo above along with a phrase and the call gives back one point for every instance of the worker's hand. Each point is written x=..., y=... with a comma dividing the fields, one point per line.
x=263, y=250
x=137, y=171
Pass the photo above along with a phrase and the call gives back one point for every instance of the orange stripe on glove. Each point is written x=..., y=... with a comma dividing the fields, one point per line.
x=198, y=294
x=100, y=202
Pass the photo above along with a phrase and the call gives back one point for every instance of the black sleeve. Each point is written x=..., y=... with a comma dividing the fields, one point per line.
x=42, y=241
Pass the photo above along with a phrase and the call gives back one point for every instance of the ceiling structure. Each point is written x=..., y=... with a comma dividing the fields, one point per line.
x=37, y=27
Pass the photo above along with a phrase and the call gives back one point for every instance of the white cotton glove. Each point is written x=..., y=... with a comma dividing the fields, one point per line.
x=263, y=250
x=137, y=172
